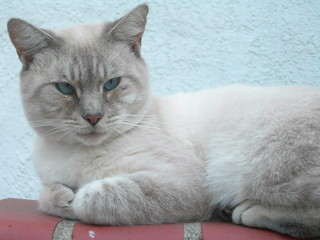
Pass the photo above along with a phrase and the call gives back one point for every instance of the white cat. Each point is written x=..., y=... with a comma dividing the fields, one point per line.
x=108, y=152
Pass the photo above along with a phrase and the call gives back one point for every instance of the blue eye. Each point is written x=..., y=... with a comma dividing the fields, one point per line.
x=112, y=83
x=65, y=88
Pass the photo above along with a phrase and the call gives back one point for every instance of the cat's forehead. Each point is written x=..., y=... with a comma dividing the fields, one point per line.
x=89, y=42
x=91, y=61
x=85, y=53
x=82, y=35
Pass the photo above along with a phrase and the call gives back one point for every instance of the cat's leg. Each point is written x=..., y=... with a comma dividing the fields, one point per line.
x=297, y=222
x=290, y=208
x=56, y=200
x=283, y=178
x=141, y=198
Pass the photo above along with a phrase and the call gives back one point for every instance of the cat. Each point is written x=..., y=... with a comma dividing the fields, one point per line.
x=109, y=152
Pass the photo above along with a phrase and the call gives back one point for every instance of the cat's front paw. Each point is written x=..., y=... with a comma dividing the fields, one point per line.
x=57, y=200
x=92, y=201
x=249, y=214
x=240, y=210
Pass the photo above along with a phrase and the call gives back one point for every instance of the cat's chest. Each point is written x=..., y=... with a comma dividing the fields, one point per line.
x=74, y=166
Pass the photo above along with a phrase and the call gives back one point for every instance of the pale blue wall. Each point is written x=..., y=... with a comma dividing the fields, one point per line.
x=188, y=45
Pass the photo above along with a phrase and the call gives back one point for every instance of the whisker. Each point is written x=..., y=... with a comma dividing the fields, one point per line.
x=146, y=125
x=54, y=131
x=140, y=126
x=138, y=115
x=122, y=134
x=63, y=135
x=51, y=122
x=143, y=118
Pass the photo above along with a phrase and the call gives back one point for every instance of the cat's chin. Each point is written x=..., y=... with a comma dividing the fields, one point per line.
x=91, y=139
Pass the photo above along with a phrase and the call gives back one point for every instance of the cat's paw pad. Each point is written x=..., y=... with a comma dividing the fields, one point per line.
x=240, y=210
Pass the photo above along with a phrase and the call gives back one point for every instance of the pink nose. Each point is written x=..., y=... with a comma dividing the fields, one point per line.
x=93, y=119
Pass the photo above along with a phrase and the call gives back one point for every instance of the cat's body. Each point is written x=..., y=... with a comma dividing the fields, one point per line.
x=144, y=162
x=110, y=153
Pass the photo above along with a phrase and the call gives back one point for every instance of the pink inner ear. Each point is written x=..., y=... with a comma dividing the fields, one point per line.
x=24, y=59
x=137, y=45
x=139, y=37
x=13, y=40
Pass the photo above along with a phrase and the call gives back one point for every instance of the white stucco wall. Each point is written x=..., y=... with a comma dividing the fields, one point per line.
x=188, y=45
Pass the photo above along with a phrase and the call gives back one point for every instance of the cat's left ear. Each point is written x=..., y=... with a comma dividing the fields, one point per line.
x=130, y=28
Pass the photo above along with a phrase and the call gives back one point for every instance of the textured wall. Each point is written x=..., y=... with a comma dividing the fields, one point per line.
x=188, y=45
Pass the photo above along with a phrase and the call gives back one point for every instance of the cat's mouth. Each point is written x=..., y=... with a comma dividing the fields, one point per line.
x=91, y=136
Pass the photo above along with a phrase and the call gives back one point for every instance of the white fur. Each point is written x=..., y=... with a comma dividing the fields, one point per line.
x=148, y=160
x=208, y=122
x=81, y=35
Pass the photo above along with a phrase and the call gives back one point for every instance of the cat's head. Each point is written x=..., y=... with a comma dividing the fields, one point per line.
x=87, y=83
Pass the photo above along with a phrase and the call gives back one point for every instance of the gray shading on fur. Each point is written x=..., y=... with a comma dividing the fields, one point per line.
x=123, y=156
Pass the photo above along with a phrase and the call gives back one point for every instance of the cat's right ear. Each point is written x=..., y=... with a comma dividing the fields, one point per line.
x=27, y=39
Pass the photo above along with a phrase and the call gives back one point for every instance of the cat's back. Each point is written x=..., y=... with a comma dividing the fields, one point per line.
x=197, y=116
x=268, y=127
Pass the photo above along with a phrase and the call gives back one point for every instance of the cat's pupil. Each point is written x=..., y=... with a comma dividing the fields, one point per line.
x=65, y=88
x=112, y=83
